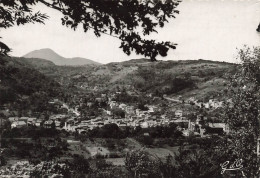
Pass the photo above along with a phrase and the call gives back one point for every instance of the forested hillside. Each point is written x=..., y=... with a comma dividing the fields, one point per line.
x=21, y=83
x=198, y=78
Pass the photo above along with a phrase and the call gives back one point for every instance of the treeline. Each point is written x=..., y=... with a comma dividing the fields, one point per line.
x=33, y=143
x=201, y=162
x=159, y=82
x=30, y=132
x=124, y=97
x=113, y=131
x=179, y=84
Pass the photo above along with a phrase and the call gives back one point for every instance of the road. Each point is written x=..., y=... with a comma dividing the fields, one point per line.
x=73, y=110
x=174, y=100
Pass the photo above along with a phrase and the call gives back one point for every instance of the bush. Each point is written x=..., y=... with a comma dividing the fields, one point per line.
x=145, y=140
x=114, y=155
x=100, y=156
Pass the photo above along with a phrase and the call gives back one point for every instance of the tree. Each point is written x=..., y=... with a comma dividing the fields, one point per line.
x=242, y=113
x=2, y=161
x=242, y=116
x=179, y=84
x=4, y=49
x=142, y=164
x=111, y=131
x=142, y=106
x=121, y=19
x=80, y=165
x=197, y=163
x=118, y=112
x=167, y=168
x=145, y=140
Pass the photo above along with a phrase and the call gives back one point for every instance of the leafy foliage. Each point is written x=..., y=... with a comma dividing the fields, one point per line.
x=17, y=12
x=197, y=163
x=121, y=19
x=118, y=112
x=142, y=164
x=165, y=132
x=242, y=114
x=107, y=131
x=4, y=49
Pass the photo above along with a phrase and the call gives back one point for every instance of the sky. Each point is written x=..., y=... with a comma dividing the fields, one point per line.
x=204, y=29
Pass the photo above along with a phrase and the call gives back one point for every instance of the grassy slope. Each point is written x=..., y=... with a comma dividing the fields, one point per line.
x=143, y=75
x=208, y=76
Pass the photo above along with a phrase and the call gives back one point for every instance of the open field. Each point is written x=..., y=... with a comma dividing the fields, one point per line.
x=116, y=161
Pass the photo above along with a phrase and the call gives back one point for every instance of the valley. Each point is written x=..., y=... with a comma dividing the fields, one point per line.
x=102, y=112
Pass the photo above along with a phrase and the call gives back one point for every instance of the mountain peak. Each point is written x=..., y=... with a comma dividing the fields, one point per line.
x=51, y=55
x=47, y=50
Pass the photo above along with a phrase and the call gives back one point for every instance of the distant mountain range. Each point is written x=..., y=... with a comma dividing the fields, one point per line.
x=52, y=56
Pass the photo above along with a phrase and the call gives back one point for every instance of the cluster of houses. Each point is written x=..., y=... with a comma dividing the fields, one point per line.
x=202, y=127
x=19, y=122
x=64, y=107
x=133, y=118
x=212, y=103
x=144, y=119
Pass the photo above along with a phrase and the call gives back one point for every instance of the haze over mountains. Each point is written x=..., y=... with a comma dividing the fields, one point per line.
x=52, y=56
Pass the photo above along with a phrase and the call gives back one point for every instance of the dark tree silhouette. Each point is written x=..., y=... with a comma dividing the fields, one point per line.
x=258, y=28
x=130, y=20
x=4, y=49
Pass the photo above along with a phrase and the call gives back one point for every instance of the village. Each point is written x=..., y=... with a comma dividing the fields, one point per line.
x=70, y=119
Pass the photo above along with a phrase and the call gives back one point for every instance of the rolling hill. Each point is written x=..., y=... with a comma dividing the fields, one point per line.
x=19, y=79
x=52, y=56
x=201, y=79
x=34, y=62
x=191, y=78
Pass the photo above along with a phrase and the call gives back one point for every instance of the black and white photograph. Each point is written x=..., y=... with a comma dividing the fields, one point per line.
x=129, y=88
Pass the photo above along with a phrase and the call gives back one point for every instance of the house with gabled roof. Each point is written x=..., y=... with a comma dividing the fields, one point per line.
x=25, y=119
x=18, y=124
x=12, y=119
x=48, y=124
x=178, y=113
x=38, y=122
x=220, y=126
x=31, y=121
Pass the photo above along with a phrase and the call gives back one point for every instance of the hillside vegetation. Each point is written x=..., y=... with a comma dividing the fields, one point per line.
x=192, y=78
x=20, y=81
x=198, y=78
